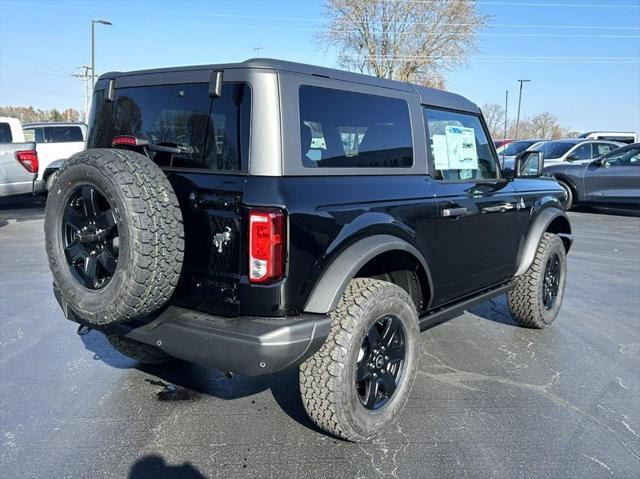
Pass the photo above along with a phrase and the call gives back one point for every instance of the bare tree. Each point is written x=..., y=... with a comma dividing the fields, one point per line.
x=406, y=40
x=494, y=117
x=543, y=126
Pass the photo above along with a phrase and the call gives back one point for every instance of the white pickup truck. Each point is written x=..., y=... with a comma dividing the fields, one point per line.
x=55, y=143
x=18, y=159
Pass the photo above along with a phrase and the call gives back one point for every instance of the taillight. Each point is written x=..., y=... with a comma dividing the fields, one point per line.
x=128, y=140
x=266, y=246
x=28, y=159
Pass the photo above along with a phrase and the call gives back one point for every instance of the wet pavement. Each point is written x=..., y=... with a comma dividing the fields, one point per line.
x=490, y=400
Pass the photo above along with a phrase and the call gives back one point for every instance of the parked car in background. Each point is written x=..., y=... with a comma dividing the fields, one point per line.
x=55, y=143
x=499, y=143
x=508, y=151
x=619, y=136
x=18, y=159
x=613, y=179
x=575, y=150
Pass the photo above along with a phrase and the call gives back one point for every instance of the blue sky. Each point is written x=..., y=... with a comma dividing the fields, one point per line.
x=583, y=56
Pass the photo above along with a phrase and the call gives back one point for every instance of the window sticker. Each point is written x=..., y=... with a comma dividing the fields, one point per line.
x=461, y=148
x=440, y=153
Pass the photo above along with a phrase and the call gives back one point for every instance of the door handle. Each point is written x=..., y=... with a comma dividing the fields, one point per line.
x=451, y=212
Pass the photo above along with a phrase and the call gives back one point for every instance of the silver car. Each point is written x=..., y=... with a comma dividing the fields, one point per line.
x=574, y=150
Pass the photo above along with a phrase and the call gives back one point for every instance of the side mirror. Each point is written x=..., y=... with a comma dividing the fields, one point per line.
x=529, y=164
x=573, y=158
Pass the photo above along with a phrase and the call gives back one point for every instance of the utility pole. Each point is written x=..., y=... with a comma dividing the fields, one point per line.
x=87, y=77
x=258, y=50
x=506, y=112
x=522, y=82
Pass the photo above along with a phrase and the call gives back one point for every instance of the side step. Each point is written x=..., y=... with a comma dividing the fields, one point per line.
x=439, y=316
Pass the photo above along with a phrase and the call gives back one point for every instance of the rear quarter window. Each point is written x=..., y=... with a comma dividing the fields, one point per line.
x=342, y=129
x=5, y=133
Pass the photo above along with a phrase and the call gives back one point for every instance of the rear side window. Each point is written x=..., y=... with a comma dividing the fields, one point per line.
x=34, y=134
x=341, y=129
x=5, y=133
x=459, y=146
x=62, y=134
x=212, y=133
x=603, y=149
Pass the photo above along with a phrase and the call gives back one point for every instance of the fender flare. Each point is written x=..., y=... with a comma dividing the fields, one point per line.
x=328, y=290
x=540, y=226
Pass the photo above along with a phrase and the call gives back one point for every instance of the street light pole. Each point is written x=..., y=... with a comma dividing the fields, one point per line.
x=519, y=105
x=102, y=21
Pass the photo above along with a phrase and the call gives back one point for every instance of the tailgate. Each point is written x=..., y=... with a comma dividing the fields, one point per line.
x=214, y=241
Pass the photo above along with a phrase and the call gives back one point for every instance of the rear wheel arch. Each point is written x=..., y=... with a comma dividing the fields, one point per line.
x=383, y=257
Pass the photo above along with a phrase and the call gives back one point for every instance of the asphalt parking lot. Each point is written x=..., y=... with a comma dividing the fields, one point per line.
x=490, y=400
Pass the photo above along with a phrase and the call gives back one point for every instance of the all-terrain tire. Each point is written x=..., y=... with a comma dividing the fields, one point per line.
x=526, y=301
x=149, y=224
x=327, y=379
x=567, y=204
x=143, y=353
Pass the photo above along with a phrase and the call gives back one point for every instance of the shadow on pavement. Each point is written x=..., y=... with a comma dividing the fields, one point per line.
x=21, y=208
x=182, y=381
x=633, y=213
x=154, y=466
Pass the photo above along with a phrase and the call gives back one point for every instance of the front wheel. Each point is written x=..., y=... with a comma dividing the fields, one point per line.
x=536, y=299
x=568, y=196
x=357, y=383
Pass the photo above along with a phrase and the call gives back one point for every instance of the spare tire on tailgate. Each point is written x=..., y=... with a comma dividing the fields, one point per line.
x=114, y=235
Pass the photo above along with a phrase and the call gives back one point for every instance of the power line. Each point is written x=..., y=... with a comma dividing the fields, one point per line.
x=536, y=5
x=34, y=71
x=513, y=59
x=24, y=58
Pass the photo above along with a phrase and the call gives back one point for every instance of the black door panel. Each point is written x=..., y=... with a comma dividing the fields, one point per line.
x=471, y=255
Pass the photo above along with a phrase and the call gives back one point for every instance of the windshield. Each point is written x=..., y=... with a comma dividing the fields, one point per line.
x=626, y=157
x=553, y=149
x=515, y=148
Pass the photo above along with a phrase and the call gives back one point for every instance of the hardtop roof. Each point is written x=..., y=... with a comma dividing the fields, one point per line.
x=428, y=96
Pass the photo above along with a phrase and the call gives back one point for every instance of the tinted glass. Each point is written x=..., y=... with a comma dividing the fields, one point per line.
x=584, y=152
x=340, y=129
x=515, y=148
x=459, y=146
x=629, y=157
x=553, y=149
x=211, y=133
x=5, y=133
x=62, y=134
x=99, y=132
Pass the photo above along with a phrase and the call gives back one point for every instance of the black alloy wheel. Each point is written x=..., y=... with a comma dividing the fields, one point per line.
x=90, y=237
x=551, y=283
x=380, y=362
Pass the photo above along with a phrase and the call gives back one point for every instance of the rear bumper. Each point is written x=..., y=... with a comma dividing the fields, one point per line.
x=247, y=345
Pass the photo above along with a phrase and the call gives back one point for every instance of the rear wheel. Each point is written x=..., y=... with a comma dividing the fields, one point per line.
x=357, y=383
x=537, y=297
x=143, y=353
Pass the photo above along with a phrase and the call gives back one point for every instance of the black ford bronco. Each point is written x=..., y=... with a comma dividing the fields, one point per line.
x=264, y=215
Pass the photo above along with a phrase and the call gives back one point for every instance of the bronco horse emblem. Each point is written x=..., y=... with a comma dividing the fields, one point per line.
x=221, y=239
